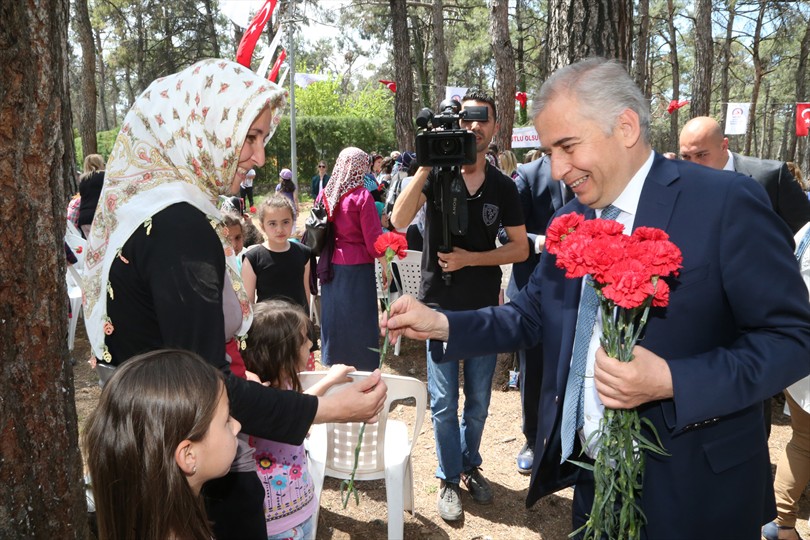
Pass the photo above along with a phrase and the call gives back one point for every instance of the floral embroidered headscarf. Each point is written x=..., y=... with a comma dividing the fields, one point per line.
x=180, y=142
x=347, y=175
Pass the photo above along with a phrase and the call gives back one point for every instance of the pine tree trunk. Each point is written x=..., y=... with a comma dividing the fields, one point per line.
x=759, y=73
x=704, y=56
x=102, y=83
x=504, y=72
x=724, y=86
x=642, y=43
x=41, y=490
x=403, y=75
x=801, y=89
x=440, y=62
x=676, y=74
x=87, y=123
x=582, y=28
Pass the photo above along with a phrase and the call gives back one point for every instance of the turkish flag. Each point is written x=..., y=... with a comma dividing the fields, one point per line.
x=251, y=36
x=277, y=66
x=802, y=119
x=391, y=85
x=521, y=98
x=675, y=104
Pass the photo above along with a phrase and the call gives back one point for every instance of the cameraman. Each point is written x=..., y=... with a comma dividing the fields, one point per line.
x=492, y=200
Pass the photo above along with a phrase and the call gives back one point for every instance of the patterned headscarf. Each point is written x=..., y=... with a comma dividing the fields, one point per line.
x=347, y=175
x=180, y=142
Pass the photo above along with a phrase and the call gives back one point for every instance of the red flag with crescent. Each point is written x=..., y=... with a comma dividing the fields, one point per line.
x=391, y=85
x=676, y=104
x=251, y=36
x=277, y=66
x=802, y=119
x=521, y=98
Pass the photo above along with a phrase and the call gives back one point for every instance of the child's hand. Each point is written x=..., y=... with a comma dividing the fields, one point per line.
x=249, y=375
x=338, y=373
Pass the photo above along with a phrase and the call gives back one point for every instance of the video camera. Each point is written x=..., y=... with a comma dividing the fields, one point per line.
x=442, y=142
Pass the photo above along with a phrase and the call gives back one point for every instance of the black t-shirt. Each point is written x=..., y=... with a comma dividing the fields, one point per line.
x=169, y=294
x=496, y=203
x=280, y=274
x=90, y=191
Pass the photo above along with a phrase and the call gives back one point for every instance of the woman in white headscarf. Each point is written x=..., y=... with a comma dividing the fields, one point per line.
x=351, y=340
x=157, y=271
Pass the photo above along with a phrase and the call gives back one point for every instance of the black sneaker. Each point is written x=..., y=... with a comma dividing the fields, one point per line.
x=449, y=502
x=477, y=485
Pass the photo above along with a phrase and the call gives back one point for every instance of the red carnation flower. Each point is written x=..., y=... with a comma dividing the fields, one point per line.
x=630, y=284
x=393, y=241
x=560, y=229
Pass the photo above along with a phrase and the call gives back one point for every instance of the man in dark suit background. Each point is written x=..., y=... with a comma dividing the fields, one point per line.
x=702, y=142
x=707, y=360
x=540, y=197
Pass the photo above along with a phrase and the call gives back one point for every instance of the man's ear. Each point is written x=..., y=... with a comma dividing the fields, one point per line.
x=724, y=146
x=629, y=126
x=185, y=458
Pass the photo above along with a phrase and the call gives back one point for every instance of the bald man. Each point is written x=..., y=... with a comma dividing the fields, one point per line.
x=702, y=142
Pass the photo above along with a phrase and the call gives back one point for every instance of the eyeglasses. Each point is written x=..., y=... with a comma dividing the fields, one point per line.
x=321, y=166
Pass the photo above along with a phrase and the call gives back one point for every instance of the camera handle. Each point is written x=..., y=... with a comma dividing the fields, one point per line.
x=453, y=207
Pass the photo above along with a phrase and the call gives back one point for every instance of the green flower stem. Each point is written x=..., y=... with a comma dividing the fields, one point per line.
x=348, y=487
x=618, y=469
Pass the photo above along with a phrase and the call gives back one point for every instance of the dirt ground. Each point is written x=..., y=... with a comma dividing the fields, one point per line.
x=507, y=518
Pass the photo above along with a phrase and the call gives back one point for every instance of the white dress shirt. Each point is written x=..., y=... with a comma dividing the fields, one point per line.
x=627, y=202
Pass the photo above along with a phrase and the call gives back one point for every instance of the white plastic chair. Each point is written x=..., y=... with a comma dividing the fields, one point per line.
x=384, y=454
x=74, y=288
x=410, y=278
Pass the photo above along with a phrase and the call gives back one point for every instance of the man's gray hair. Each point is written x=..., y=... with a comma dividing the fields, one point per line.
x=603, y=89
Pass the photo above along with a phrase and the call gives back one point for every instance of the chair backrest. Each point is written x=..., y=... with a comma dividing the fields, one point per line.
x=77, y=244
x=410, y=272
x=342, y=438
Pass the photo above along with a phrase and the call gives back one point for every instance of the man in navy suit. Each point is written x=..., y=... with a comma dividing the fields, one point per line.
x=540, y=197
x=702, y=142
x=736, y=329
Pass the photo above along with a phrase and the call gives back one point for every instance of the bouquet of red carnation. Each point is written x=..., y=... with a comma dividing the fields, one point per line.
x=626, y=272
x=390, y=244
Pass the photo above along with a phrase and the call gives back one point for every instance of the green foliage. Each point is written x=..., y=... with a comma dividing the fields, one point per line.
x=327, y=98
x=104, y=141
x=322, y=137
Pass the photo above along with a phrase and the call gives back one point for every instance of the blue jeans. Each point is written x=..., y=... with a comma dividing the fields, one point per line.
x=457, y=444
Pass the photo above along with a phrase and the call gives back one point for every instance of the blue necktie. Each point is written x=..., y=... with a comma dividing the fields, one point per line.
x=573, y=417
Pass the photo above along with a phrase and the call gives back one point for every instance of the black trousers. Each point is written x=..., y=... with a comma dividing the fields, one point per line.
x=235, y=506
x=531, y=380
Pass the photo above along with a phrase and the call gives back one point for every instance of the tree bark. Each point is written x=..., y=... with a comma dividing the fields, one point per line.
x=759, y=73
x=211, y=27
x=704, y=54
x=102, y=83
x=801, y=88
x=41, y=489
x=441, y=65
x=504, y=72
x=403, y=99
x=420, y=62
x=642, y=42
x=676, y=73
x=726, y=55
x=87, y=122
x=582, y=28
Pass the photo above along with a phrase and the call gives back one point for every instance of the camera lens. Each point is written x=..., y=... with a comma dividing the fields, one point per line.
x=446, y=147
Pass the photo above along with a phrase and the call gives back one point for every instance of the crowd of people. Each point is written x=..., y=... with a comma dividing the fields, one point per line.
x=200, y=319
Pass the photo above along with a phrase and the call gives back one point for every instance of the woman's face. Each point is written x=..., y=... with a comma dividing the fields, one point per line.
x=252, y=154
x=321, y=168
x=377, y=167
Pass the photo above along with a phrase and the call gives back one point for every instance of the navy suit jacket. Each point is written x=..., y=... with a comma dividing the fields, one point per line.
x=786, y=195
x=540, y=197
x=736, y=331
